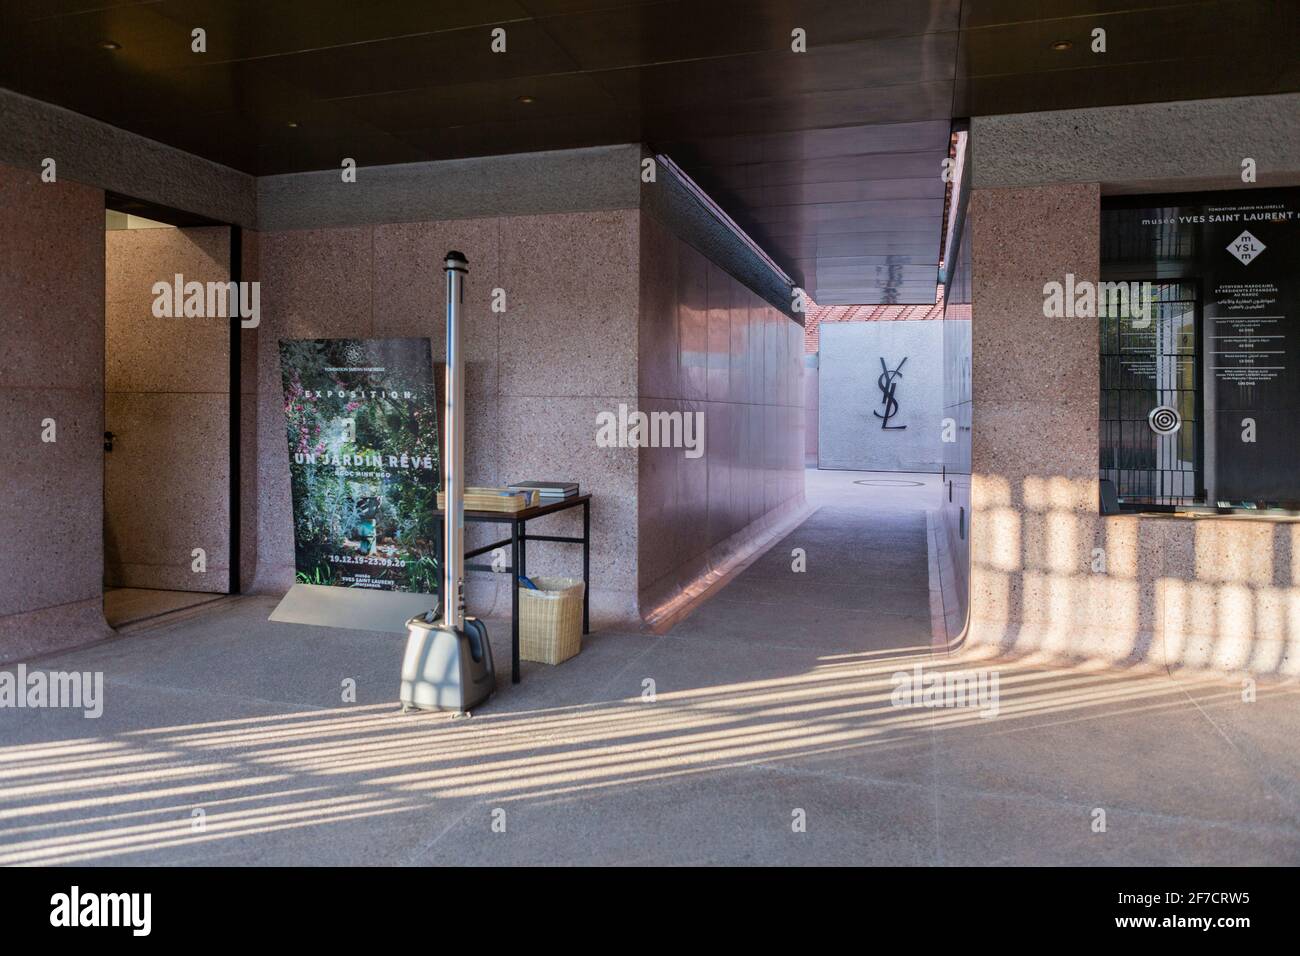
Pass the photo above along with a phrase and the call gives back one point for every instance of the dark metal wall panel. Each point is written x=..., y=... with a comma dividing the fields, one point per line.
x=796, y=146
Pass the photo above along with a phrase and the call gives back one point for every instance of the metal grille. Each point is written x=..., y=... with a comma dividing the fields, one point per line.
x=1145, y=365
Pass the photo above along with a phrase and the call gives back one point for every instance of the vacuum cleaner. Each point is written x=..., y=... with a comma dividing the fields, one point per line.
x=448, y=661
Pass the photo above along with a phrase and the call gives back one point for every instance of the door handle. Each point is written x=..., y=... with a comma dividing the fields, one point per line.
x=108, y=440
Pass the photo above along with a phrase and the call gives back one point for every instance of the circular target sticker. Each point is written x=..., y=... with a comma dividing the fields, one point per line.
x=1164, y=420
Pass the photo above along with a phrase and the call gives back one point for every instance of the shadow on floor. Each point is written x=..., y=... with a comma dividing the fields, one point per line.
x=797, y=718
x=707, y=764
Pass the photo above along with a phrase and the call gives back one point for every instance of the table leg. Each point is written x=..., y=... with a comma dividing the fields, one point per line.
x=515, y=571
x=586, y=566
x=523, y=550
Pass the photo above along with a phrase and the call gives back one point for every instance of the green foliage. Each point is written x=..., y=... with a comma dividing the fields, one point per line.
x=321, y=574
x=421, y=575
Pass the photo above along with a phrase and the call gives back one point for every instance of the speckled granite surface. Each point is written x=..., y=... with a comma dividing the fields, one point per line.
x=1213, y=594
x=51, y=367
x=1145, y=147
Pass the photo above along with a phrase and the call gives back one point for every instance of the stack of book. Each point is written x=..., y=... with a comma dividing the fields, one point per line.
x=548, y=491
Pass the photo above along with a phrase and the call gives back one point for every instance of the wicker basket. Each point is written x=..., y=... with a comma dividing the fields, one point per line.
x=550, y=620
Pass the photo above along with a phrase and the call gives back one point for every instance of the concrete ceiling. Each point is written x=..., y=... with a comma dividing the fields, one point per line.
x=829, y=158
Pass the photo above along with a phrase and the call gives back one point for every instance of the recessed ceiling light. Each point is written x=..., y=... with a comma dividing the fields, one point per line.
x=293, y=124
x=1060, y=46
x=527, y=99
x=109, y=45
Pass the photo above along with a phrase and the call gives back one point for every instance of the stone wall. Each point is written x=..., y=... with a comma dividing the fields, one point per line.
x=1217, y=593
x=537, y=374
x=1220, y=594
x=52, y=299
x=51, y=369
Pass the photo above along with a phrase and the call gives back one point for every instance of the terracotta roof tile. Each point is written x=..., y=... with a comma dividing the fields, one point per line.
x=867, y=313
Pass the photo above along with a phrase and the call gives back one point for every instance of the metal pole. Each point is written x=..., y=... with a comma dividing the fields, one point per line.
x=453, y=551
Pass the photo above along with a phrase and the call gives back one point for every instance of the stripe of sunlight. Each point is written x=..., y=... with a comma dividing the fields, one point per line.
x=698, y=738
x=89, y=783
x=922, y=652
x=620, y=712
x=947, y=717
x=412, y=731
x=379, y=736
x=102, y=800
x=650, y=768
x=71, y=766
x=12, y=753
x=529, y=759
x=133, y=834
x=423, y=751
x=642, y=772
x=356, y=807
x=1048, y=700
x=668, y=722
x=658, y=729
x=687, y=745
x=605, y=762
x=695, y=771
x=638, y=723
x=275, y=719
x=236, y=738
x=524, y=738
x=525, y=755
x=395, y=727
x=625, y=712
x=1063, y=696
x=759, y=691
x=184, y=808
x=130, y=778
x=944, y=719
x=1012, y=675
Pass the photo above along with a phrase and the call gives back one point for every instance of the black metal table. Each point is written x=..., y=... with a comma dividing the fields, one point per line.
x=518, y=542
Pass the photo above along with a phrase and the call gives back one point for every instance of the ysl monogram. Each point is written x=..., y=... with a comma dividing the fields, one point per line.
x=887, y=383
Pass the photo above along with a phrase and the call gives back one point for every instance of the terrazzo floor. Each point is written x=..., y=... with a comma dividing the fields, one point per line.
x=764, y=729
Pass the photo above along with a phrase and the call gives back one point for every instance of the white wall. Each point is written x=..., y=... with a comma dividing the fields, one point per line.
x=850, y=436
